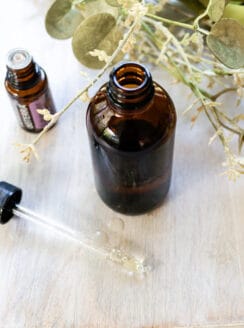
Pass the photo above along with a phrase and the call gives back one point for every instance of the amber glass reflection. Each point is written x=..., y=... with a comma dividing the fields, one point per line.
x=131, y=124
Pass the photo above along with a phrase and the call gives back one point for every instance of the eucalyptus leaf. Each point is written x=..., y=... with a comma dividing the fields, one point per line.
x=226, y=41
x=62, y=19
x=95, y=32
x=216, y=9
x=113, y=3
x=92, y=7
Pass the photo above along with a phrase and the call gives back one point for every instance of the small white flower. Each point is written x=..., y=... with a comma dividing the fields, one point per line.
x=85, y=97
x=100, y=54
x=47, y=116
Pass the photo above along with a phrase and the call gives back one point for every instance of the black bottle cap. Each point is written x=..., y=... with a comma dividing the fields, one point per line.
x=9, y=197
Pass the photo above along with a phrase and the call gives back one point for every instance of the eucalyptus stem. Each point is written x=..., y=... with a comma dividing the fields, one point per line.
x=176, y=43
x=196, y=21
x=176, y=23
x=217, y=114
x=201, y=96
x=220, y=93
x=207, y=99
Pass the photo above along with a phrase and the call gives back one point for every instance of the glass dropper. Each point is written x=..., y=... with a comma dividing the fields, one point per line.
x=10, y=197
x=55, y=227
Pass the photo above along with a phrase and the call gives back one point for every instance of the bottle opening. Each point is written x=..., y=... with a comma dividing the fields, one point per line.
x=130, y=76
x=130, y=86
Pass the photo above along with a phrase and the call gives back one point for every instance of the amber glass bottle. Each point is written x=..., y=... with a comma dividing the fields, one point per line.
x=27, y=86
x=131, y=126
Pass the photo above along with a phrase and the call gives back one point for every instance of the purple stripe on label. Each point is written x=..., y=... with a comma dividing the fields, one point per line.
x=43, y=102
x=28, y=116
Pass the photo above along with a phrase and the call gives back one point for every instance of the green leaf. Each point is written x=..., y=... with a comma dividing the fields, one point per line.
x=216, y=9
x=235, y=11
x=62, y=19
x=113, y=3
x=95, y=32
x=92, y=7
x=226, y=41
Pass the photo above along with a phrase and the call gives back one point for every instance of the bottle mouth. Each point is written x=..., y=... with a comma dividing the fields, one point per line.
x=18, y=58
x=130, y=85
x=130, y=76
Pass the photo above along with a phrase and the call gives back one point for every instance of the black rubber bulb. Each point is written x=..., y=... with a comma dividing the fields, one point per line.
x=10, y=196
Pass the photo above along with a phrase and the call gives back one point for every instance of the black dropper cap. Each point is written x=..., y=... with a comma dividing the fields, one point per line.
x=9, y=197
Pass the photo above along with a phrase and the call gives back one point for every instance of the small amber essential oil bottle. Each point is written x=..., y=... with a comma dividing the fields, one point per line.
x=131, y=126
x=27, y=85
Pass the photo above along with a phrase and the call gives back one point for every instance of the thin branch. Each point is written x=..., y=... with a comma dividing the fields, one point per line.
x=172, y=22
x=220, y=93
x=87, y=87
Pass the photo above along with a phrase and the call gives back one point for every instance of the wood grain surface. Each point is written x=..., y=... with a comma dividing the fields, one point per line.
x=194, y=241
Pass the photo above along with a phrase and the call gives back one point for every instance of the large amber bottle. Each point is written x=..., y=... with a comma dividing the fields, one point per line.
x=27, y=85
x=131, y=125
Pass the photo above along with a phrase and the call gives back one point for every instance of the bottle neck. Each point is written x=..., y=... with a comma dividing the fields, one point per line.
x=25, y=78
x=130, y=86
x=22, y=72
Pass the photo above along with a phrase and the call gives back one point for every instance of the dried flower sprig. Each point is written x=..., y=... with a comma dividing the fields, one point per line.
x=190, y=72
x=28, y=150
x=177, y=45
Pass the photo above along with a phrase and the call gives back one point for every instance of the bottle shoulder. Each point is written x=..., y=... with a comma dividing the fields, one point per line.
x=131, y=130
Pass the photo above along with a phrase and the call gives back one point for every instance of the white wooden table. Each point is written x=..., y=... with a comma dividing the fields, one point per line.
x=195, y=240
